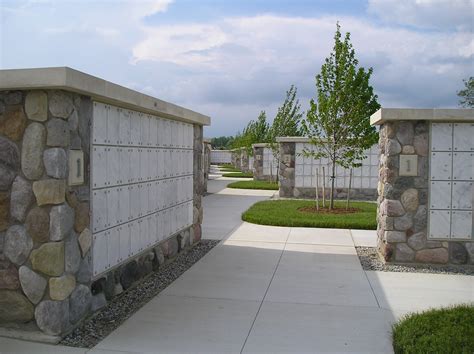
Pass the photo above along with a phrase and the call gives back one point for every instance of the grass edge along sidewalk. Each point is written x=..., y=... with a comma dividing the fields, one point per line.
x=286, y=213
x=263, y=185
x=238, y=175
x=444, y=330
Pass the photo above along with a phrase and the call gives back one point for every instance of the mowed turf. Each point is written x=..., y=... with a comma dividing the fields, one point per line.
x=448, y=330
x=286, y=213
x=238, y=175
x=254, y=185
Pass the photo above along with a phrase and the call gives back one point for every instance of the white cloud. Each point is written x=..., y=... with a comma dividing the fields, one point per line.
x=431, y=14
x=238, y=59
x=179, y=44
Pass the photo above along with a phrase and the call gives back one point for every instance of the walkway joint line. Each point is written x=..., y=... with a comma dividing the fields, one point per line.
x=365, y=273
x=265, y=295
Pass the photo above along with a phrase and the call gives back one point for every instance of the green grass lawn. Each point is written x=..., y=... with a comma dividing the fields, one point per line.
x=254, y=185
x=286, y=213
x=449, y=330
x=238, y=174
x=230, y=169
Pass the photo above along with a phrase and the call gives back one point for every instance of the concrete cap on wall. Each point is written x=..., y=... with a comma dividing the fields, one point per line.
x=292, y=139
x=436, y=114
x=65, y=78
x=260, y=145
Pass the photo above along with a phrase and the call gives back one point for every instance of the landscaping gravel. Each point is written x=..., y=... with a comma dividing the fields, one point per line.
x=102, y=323
x=370, y=260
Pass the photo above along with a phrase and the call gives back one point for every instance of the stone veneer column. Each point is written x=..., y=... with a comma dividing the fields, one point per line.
x=244, y=161
x=44, y=223
x=287, y=169
x=258, y=163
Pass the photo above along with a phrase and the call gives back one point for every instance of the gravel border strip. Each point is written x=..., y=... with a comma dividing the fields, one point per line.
x=369, y=259
x=121, y=307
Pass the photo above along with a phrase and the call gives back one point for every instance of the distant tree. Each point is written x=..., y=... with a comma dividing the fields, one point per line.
x=287, y=122
x=221, y=142
x=467, y=95
x=338, y=123
x=254, y=132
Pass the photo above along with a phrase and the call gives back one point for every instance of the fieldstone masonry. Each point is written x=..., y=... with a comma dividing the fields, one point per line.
x=403, y=195
x=45, y=238
x=258, y=173
x=287, y=169
x=206, y=161
x=236, y=158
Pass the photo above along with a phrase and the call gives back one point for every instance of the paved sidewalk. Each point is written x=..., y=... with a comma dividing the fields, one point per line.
x=278, y=289
x=281, y=289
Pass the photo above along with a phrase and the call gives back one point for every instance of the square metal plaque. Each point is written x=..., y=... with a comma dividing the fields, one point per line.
x=408, y=165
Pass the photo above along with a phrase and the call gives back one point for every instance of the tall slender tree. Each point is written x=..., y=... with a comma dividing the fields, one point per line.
x=338, y=121
x=287, y=122
x=256, y=131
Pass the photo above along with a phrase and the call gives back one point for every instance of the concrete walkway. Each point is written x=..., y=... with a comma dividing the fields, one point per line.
x=277, y=289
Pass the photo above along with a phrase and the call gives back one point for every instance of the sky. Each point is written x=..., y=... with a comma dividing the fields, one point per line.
x=232, y=59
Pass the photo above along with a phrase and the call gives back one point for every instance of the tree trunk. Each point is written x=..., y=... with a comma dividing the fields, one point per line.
x=333, y=178
x=278, y=171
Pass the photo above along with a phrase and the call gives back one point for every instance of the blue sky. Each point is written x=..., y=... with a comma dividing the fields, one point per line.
x=232, y=59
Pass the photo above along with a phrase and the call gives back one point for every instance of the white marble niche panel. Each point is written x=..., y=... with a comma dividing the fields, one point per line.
x=99, y=252
x=124, y=201
x=134, y=237
x=144, y=129
x=440, y=221
x=134, y=201
x=134, y=165
x=113, y=166
x=463, y=137
x=124, y=242
x=462, y=195
x=135, y=128
x=124, y=127
x=113, y=126
x=463, y=168
x=461, y=224
x=113, y=247
x=99, y=210
x=113, y=206
x=441, y=163
x=124, y=170
x=441, y=137
x=99, y=123
x=440, y=197
x=152, y=228
x=160, y=130
x=153, y=139
x=99, y=166
x=143, y=236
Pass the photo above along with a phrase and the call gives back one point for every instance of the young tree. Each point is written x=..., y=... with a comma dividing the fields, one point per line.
x=467, y=95
x=338, y=123
x=287, y=122
x=254, y=132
